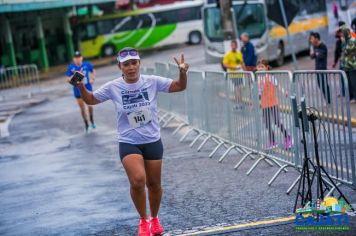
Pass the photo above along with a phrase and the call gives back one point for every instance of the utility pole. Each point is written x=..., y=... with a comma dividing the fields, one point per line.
x=227, y=23
x=226, y=19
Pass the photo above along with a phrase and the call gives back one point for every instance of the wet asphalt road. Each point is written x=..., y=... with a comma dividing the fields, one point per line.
x=56, y=180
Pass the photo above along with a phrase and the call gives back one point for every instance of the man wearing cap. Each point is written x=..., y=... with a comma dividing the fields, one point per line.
x=89, y=75
x=140, y=145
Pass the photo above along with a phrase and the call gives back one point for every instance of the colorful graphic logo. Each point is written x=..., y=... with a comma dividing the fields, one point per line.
x=330, y=214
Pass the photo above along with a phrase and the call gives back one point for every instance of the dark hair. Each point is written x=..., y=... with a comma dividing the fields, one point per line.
x=315, y=35
x=265, y=63
x=341, y=23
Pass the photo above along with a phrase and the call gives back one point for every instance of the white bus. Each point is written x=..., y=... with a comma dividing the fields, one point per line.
x=269, y=38
x=143, y=28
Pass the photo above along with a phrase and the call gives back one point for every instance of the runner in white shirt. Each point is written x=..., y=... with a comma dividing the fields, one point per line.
x=140, y=146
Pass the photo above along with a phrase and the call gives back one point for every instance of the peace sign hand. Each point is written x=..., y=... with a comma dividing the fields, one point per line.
x=183, y=67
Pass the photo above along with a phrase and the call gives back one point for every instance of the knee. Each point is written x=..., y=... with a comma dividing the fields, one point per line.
x=154, y=187
x=82, y=107
x=138, y=182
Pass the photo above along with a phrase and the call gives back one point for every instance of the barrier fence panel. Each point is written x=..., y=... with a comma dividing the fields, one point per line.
x=25, y=76
x=178, y=100
x=242, y=109
x=278, y=136
x=254, y=112
x=216, y=104
x=19, y=76
x=196, y=96
x=164, y=101
x=327, y=96
x=150, y=71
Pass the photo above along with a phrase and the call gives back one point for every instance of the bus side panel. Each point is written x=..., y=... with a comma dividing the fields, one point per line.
x=159, y=34
x=181, y=33
x=92, y=47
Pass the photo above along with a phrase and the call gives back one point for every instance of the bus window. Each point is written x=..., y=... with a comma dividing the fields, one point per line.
x=105, y=26
x=125, y=24
x=167, y=17
x=212, y=24
x=87, y=31
x=250, y=19
x=145, y=20
x=307, y=7
x=187, y=14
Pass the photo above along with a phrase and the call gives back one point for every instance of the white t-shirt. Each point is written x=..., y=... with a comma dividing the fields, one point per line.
x=136, y=107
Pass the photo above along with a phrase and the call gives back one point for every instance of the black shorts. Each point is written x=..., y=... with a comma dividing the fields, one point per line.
x=149, y=151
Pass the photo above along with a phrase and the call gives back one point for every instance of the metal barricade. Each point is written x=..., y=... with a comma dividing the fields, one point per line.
x=252, y=114
x=164, y=101
x=25, y=76
x=178, y=104
x=327, y=95
x=196, y=98
x=149, y=71
x=242, y=109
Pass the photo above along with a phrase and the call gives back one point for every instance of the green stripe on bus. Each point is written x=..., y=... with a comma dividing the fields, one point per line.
x=156, y=35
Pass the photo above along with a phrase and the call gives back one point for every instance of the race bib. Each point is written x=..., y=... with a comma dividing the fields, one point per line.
x=139, y=118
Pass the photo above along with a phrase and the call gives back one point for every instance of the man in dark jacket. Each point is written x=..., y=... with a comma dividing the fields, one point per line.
x=248, y=52
x=320, y=55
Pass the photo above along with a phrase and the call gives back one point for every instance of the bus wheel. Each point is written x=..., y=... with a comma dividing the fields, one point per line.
x=194, y=37
x=280, y=57
x=108, y=50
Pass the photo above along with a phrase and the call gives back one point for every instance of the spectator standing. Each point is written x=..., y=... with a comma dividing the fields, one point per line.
x=248, y=51
x=348, y=60
x=320, y=55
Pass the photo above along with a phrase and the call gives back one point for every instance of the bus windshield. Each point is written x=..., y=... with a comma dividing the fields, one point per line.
x=250, y=18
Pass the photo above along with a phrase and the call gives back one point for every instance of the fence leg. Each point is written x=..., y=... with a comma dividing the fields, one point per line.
x=256, y=163
x=280, y=165
x=203, y=143
x=226, y=152
x=163, y=117
x=332, y=190
x=196, y=139
x=268, y=161
x=178, y=128
x=243, y=159
x=216, y=149
x=293, y=185
x=276, y=174
x=186, y=134
x=167, y=121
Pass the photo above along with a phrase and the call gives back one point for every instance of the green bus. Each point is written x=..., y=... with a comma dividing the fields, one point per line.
x=143, y=29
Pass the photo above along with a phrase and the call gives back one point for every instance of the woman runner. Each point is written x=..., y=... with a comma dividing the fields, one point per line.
x=140, y=146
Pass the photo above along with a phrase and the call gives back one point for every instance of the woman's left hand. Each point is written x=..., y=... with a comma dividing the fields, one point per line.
x=183, y=67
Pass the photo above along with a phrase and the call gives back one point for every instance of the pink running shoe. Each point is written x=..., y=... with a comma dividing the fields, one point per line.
x=288, y=142
x=156, y=227
x=144, y=227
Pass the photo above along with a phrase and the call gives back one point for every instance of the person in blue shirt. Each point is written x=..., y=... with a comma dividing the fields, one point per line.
x=89, y=76
x=248, y=52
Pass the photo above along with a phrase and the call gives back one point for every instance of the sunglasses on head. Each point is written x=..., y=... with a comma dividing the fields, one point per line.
x=131, y=52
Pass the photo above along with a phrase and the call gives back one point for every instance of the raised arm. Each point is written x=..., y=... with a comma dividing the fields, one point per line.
x=181, y=83
x=87, y=96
